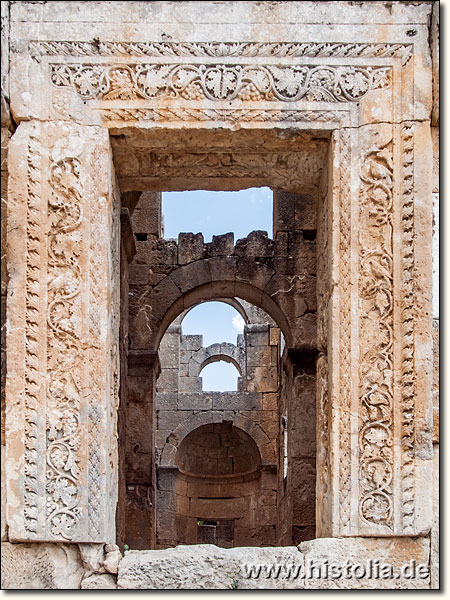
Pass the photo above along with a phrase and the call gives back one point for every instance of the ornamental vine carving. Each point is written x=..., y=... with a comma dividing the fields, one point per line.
x=65, y=348
x=33, y=319
x=376, y=337
x=407, y=311
x=224, y=164
x=223, y=49
x=285, y=83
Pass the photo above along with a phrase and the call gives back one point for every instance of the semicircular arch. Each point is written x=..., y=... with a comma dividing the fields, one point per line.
x=254, y=430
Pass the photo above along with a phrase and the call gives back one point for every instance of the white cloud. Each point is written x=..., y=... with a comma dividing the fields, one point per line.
x=238, y=323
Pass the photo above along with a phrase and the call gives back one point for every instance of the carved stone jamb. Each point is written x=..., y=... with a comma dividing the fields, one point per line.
x=377, y=425
x=380, y=430
x=63, y=377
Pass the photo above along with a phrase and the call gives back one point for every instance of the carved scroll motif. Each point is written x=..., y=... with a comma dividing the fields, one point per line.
x=376, y=337
x=345, y=325
x=223, y=49
x=407, y=399
x=285, y=83
x=33, y=320
x=65, y=348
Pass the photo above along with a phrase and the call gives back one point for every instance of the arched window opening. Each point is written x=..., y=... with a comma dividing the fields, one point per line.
x=215, y=321
x=220, y=376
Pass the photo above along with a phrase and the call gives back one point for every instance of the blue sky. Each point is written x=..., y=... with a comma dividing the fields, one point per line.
x=214, y=213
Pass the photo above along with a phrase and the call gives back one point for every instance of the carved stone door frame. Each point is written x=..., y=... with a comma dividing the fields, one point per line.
x=374, y=392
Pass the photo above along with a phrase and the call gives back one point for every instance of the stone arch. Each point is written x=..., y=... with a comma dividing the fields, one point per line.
x=205, y=280
x=221, y=358
x=254, y=430
x=225, y=351
x=234, y=302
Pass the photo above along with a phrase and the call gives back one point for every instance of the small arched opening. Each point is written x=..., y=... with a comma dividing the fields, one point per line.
x=220, y=374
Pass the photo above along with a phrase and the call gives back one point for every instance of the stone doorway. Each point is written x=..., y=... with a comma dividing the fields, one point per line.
x=273, y=277
x=342, y=123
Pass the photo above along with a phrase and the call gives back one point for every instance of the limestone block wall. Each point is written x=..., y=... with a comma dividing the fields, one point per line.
x=183, y=407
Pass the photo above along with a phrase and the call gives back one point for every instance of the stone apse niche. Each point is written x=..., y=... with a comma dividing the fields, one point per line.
x=340, y=132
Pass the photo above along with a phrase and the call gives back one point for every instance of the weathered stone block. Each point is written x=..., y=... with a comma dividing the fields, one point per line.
x=41, y=567
x=199, y=401
x=192, y=342
x=262, y=379
x=146, y=217
x=270, y=401
x=284, y=210
x=259, y=356
x=236, y=401
x=170, y=419
x=166, y=400
x=112, y=559
x=396, y=553
x=168, y=381
x=190, y=385
x=190, y=276
x=222, y=245
x=305, y=211
x=257, y=335
x=99, y=582
x=139, y=274
x=154, y=251
x=190, y=247
x=256, y=244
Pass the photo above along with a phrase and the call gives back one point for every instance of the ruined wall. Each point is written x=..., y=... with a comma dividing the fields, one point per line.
x=183, y=407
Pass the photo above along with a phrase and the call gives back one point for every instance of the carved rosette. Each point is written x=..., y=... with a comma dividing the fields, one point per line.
x=376, y=337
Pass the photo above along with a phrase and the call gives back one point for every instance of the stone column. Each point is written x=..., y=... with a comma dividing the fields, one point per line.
x=62, y=339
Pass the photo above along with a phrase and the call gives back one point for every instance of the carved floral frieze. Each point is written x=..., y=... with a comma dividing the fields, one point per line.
x=376, y=337
x=65, y=348
x=223, y=49
x=221, y=81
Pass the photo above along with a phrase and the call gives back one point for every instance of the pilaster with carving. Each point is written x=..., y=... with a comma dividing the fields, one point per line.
x=63, y=259
x=381, y=462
